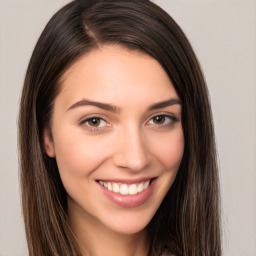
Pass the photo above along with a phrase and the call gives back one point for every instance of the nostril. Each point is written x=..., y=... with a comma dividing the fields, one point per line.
x=130, y=162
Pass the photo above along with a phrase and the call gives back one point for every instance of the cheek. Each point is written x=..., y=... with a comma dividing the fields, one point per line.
x=169, y=150
x=77, y=155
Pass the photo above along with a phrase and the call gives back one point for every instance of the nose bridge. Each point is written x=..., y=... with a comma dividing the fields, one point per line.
x=132, y=152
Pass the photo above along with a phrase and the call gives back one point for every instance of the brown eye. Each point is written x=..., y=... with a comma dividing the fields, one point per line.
x=159, y=119
x=95, y=122
x=162, y=121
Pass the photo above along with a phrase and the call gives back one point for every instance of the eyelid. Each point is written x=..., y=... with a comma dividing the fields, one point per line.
x=84, y=119
x=94, y=115
x=167, y=114
x=173, y=118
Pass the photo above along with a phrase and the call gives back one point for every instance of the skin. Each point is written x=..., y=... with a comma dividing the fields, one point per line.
x=127, y=142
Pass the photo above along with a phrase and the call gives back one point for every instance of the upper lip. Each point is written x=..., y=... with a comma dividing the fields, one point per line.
x=127, y=181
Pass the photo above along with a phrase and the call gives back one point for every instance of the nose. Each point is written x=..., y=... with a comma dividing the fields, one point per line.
x=131, y=151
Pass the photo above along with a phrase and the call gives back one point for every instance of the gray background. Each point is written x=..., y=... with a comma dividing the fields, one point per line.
x=223, y=34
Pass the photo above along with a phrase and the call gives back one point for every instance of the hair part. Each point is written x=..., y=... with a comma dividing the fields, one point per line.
x=187, y=222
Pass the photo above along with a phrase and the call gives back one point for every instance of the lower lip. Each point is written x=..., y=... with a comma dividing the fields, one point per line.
x=129, y=200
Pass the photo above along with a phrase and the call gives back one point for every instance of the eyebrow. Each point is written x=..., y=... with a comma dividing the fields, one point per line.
x=101, y=105
x=116, y=109
x=165, y=103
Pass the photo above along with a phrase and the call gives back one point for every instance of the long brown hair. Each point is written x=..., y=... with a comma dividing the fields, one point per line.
x=187, y=222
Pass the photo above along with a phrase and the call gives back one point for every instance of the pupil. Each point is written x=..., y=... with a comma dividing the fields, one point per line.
x=94, y=121
x=159, y=119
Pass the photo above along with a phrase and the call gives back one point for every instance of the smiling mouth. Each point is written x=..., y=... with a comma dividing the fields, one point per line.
x=125, y=189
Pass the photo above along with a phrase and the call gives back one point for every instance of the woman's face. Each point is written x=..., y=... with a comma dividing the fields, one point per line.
x=117, y=138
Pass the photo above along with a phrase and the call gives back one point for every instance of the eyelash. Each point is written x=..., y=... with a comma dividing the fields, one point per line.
x=170, y=119
x=94, y=128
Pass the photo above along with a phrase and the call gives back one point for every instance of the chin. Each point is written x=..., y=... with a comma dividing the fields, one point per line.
x=129, y=222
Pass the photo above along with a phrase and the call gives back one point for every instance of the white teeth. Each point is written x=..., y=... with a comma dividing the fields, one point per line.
x=115, y=188
x=109, y=186
x=140, y=188
x=146, y=185
x=125, y=189
x=133, y=189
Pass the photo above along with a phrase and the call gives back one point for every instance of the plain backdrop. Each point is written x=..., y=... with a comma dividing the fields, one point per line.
x=223, y=34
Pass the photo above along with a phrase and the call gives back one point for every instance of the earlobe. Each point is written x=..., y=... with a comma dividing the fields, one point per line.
x=48, y=143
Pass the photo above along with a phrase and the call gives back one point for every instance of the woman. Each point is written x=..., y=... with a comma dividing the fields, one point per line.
x=116, y=140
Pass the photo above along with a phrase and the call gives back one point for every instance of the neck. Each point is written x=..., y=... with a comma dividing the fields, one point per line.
x=96, y=239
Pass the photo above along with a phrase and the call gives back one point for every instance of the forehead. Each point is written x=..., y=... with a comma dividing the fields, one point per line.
x=113, y=72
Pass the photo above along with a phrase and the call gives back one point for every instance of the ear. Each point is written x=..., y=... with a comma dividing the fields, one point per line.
x=48, y=143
